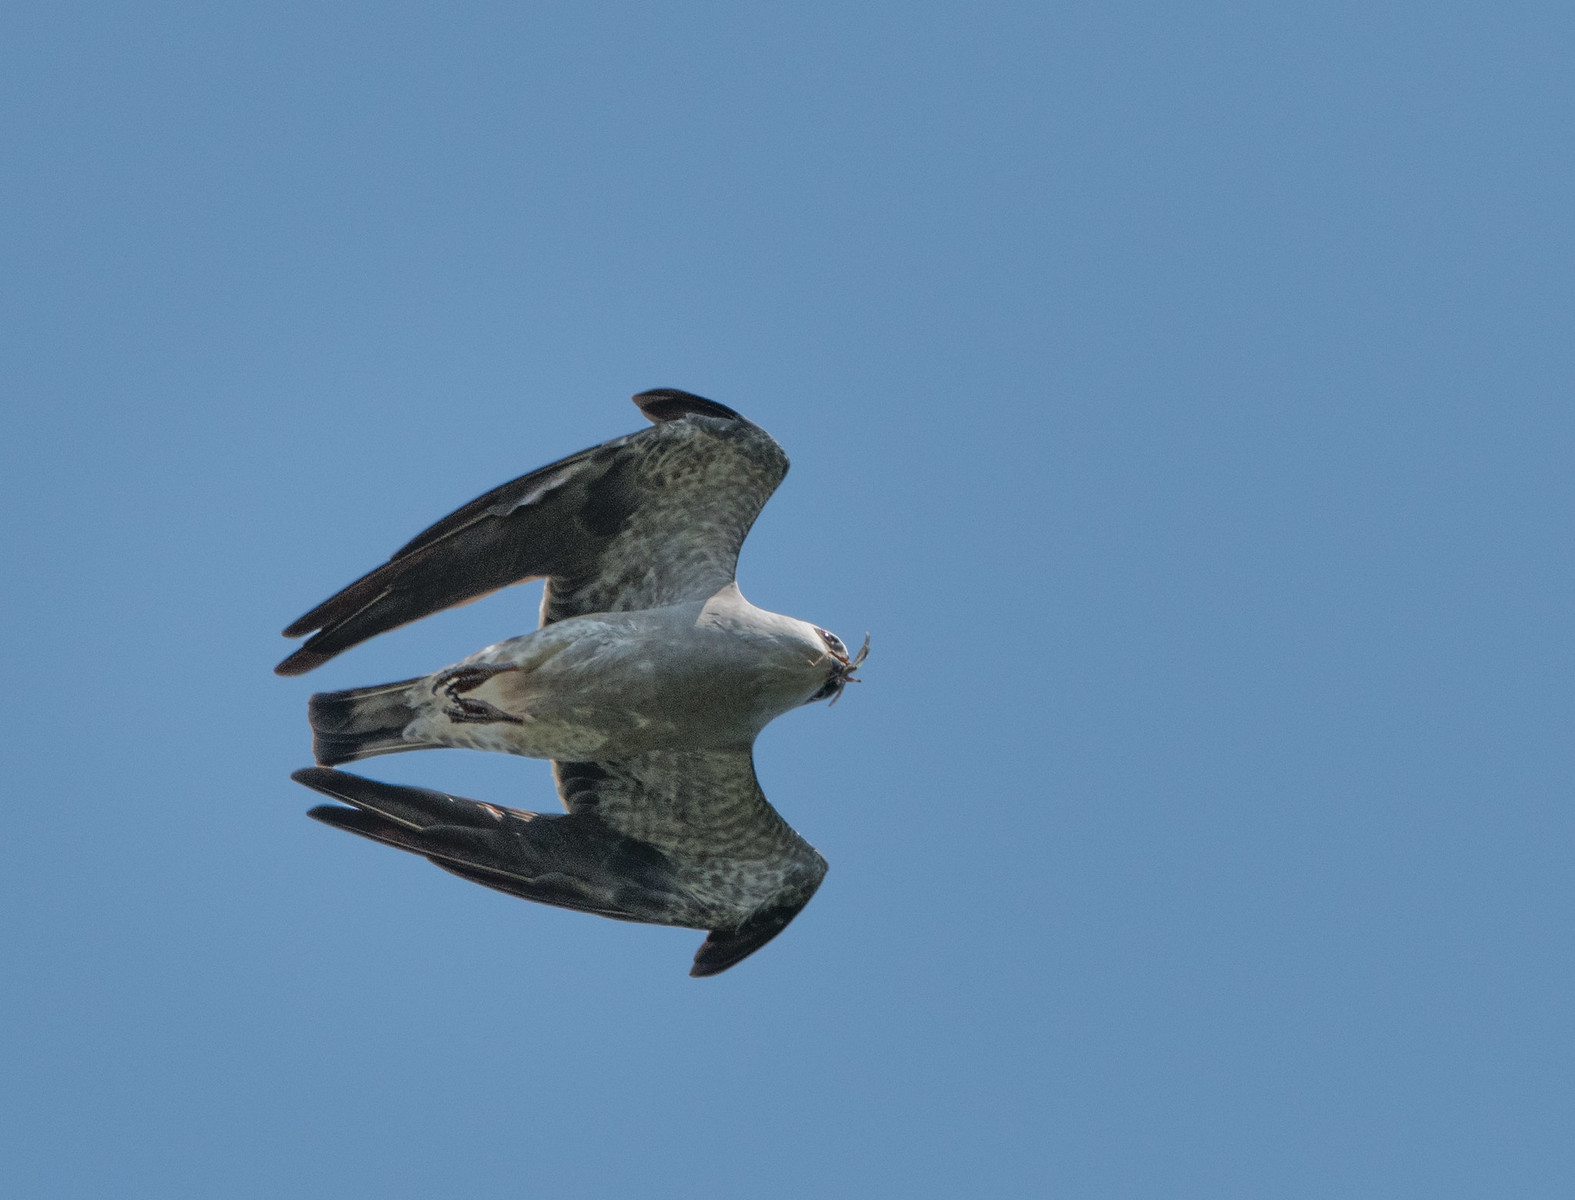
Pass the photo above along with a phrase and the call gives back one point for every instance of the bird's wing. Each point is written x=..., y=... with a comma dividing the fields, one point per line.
x=569, y=861
x=741, y=878
x=653, y=518
x=704, y=810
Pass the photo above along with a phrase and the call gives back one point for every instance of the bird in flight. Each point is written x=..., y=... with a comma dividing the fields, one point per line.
x=646, y=684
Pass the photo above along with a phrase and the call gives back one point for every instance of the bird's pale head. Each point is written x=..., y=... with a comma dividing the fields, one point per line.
x=840, y=666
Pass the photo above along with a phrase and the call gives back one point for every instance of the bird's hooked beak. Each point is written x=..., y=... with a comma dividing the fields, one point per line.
x=845, y=668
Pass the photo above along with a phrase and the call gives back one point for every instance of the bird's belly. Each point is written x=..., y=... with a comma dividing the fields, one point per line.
x=600, y=696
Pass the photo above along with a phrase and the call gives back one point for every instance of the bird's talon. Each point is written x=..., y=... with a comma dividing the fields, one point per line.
x=467, y=679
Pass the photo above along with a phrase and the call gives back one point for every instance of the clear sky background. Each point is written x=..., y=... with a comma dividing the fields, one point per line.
x=1180, y=395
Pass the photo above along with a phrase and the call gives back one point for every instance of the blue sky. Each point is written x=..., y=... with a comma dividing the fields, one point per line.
x=1180, y=395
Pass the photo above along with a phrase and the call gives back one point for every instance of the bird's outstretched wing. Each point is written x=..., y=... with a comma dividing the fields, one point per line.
x=570, y=861
x=641, y=842
x=704, y=810
x=653, y=518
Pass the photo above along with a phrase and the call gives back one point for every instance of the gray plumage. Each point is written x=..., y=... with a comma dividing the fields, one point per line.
x=646, y=684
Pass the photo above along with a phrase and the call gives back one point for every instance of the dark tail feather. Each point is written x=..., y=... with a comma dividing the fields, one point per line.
x=362, y=722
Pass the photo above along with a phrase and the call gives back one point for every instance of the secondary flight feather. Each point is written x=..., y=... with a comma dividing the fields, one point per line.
x=646, y=685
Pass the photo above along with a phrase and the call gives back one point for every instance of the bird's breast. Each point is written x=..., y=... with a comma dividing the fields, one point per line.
x=648, y=681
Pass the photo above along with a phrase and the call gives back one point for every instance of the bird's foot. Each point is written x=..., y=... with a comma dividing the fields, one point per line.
x=467, y=710
x=467, y=679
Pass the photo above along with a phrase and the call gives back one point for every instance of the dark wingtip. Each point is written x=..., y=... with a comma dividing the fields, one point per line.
x=724, y=948
x=332, y=814
x=302, y=626
x=367, y=824
x=669, y=404
x=319, y=779
x=302, y=661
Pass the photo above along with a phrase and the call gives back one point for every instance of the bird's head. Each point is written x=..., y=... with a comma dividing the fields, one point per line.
x=842, y=667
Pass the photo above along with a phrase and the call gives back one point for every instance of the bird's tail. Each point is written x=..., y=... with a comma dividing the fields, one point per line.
x=362, y=722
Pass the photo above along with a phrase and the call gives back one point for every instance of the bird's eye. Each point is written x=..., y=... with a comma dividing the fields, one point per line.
x=833, y=642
